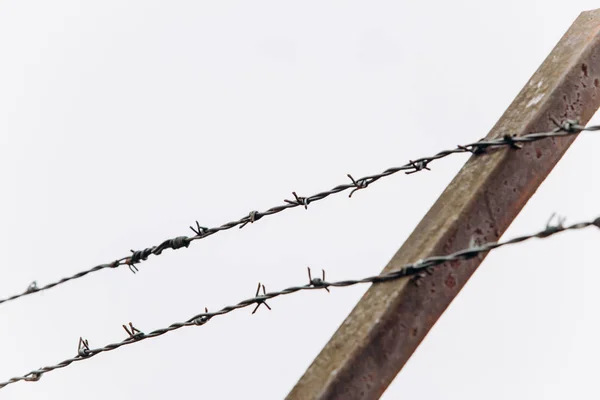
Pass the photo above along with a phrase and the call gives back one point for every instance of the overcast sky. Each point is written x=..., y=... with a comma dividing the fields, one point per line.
x=123, y=122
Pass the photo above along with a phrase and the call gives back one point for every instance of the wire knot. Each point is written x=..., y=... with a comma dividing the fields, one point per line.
x=570, y=125
x=409, y=270
x=426, y=265
x=202, y=318
x=317, y=282
x=358, y=184
x=33, y=376
x=133, y=332
x=510, y=140
x=179, y=242
x=83, y=349
x=259, y=299
x=252, y=216
x=552, y=228
x=474, y=148
x=175, y=243
x=418, y=165
x=200, y=230
x=138, y=256
x=299, y=201
x=33, y=287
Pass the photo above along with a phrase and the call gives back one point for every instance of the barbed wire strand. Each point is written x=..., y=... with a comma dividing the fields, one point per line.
x=84, y=351
x=567, y=128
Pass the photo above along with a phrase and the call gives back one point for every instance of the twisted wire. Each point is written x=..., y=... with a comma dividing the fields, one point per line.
x=567, y=128
x=85, y=352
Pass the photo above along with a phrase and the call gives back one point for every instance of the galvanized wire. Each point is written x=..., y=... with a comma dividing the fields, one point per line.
x=84, y=352
x=567, y=128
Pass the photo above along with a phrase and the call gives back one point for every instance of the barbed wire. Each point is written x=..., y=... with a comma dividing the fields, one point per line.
x=84, y=351
x=567, y=128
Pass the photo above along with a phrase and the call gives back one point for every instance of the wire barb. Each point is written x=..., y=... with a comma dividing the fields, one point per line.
x=299, y=201
x=83, y=349
x=473, y=148
x=510, y=140
x=551, y=227
x=131, y=262
x=133, y=332
x=318, y=282
x=203, y=318
x=32, y=287
x=252, y=216
x=200, y=230
x=259, y=300
x=569, y=126
x=33, y=376
x=418, y=166
x=357, y=184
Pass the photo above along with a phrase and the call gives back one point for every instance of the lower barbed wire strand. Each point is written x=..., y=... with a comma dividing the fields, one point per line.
x=314, y=284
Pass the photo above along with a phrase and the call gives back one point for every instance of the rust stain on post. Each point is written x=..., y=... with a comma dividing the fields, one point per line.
x=389, y=322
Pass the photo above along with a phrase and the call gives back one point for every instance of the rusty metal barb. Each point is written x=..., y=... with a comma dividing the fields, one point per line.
x=84, y=352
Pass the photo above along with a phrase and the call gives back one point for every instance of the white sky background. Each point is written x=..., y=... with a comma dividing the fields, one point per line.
x=122, y=122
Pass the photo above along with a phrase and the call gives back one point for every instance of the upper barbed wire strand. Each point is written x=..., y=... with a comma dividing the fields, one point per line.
x=567, y=128
x=84, y=351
